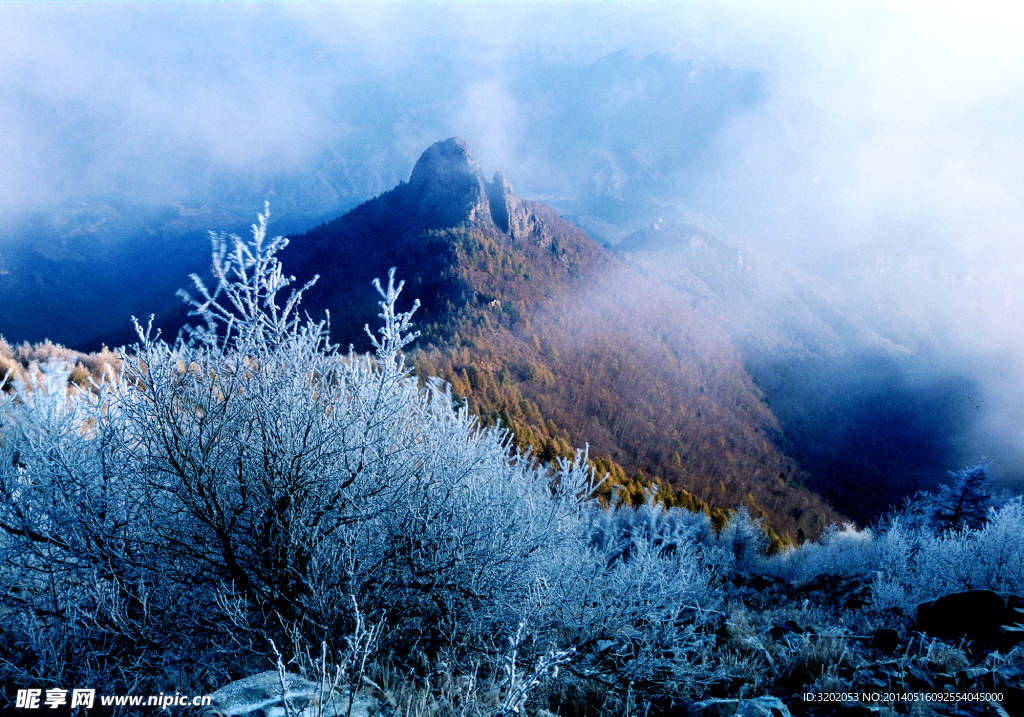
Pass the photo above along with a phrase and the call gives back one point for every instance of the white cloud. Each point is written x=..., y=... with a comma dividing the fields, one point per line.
x=878, y=115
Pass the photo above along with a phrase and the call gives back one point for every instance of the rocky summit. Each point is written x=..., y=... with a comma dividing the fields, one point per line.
x=448, y=187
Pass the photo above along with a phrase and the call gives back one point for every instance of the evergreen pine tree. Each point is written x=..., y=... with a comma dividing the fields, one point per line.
x=964, y=503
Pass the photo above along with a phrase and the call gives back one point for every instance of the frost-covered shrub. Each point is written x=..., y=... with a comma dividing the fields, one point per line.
x=896, y=547
x=744, y=540
x=962, y=503
x=917, y=565
x=248, y=480
x=846, y=552
x=453, y=556
x=82, y=597
x=998, y=560
x=937, y=545
x=634, y=603
x=991, y=557
x=617, y=532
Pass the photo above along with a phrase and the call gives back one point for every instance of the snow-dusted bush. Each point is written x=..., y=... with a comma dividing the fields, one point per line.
x=941, y=543
x=617, y=532
x=78, y=590
x=845, y=552
x=744, y=541
x=909, y=563
x=248, y=480
x=921, y=565
x=996, y=551
x=632, y=604
x=962, y=503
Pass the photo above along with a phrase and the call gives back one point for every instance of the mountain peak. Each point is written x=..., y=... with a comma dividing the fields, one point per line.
x=542, y=327
x=449, y=186
x=447, y=161
x=507, y=210
x=448, y=189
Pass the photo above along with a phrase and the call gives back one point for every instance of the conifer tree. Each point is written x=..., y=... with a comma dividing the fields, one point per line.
x=964, y=503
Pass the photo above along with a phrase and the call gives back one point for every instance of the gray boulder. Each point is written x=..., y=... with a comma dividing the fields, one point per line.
x=262, y=696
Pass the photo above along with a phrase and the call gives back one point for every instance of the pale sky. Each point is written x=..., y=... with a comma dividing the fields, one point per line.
x=878, y=121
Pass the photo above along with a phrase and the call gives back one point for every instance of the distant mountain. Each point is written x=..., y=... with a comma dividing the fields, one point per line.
x=72, y=276
x=767, y=306
x=538, y=326
x=845, y=357
x=77, y=275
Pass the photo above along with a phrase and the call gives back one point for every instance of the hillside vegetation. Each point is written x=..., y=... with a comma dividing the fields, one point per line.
x=529, y=320
x=23, y=362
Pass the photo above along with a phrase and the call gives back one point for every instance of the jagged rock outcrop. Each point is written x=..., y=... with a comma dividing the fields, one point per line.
x=510, y=215
x=448, y=189
x=443, y=230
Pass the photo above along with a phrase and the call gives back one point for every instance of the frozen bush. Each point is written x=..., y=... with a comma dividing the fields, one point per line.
x=897, y=547
x=991, y=557
x=917, y=565
x=846, y=552
x=744, y=539
x=616, y=532
x=963, y=503
x=249, y=480
x=634, y=604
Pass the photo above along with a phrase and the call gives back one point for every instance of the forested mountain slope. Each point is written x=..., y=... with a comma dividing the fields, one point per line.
x=538, y=326
x=528, y=318
x=869, y=409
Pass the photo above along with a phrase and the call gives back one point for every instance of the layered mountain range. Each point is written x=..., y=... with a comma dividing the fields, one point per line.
x=707, y=374
x=76, y=275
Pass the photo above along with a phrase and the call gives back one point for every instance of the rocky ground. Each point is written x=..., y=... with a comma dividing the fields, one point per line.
x=778, y=650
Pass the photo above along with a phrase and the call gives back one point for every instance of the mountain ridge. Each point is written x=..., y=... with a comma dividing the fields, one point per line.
x=539, y=327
